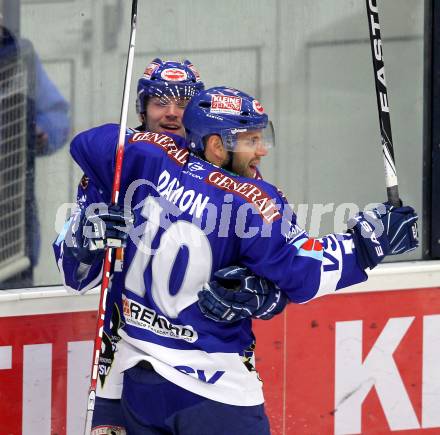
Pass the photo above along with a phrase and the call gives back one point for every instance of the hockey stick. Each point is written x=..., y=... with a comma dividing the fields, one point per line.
x=108, y=260
x=382, y=103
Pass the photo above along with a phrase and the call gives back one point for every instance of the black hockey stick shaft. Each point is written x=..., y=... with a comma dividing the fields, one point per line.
x=382, y=103
x=108, y=258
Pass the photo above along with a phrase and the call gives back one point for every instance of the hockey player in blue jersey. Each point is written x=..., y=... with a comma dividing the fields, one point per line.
x=197, y=211
x=162, y=94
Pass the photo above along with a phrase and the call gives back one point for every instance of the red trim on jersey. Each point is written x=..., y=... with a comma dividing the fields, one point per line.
x=312, y=245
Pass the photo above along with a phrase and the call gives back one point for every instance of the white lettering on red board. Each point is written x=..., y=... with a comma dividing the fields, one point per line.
x=355, y=376
x=37, y=385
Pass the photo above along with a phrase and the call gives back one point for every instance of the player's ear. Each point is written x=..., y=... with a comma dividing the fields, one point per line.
x=214, y=150
x=143, y=118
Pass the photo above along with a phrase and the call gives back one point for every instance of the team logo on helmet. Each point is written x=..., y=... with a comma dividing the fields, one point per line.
x=174, y=75
x=149, y=70
x=258, y=107
x=195, y=72
x=226, y=104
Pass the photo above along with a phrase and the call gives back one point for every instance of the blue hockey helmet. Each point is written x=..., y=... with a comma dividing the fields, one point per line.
x=179, y=80
x=225, y=112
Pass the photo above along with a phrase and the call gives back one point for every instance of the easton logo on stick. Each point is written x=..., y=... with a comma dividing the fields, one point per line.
x=382, y=101
x=373, y=15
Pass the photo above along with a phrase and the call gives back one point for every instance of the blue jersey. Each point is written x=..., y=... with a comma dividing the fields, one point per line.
x=191, y=219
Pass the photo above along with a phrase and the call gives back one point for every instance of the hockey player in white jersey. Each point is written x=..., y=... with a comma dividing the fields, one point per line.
x=183, y=372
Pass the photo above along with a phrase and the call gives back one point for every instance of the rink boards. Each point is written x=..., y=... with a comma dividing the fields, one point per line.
x=366, y=360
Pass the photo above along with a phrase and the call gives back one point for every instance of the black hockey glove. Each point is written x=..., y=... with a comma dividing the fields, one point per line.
x=238, y=294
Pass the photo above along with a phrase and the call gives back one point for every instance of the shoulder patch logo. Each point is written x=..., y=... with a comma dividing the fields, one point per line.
x=195, y=166
x=84, y=182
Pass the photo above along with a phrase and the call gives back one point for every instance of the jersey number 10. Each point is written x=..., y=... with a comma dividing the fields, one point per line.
x=178, y=234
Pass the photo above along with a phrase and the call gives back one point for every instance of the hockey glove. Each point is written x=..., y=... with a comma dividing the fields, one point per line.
x=237, y=294
x=385, y=230
x=95, y=229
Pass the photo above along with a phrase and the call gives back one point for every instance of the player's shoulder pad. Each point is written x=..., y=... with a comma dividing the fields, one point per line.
x=169, y=145
x=102, y=133
x=109, y=128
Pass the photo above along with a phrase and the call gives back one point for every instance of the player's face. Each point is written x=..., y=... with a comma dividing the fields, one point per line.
x=249, y=151
x=164, y=115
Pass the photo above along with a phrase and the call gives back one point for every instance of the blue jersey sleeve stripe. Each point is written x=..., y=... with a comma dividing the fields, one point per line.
x=317, y=255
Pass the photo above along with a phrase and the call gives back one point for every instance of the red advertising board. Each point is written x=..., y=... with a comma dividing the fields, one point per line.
x=352, y=363
x=366, y=363
x=37, y=356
